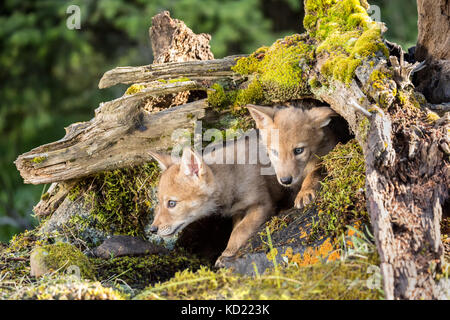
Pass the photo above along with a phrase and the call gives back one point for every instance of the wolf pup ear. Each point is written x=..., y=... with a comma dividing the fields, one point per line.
x=263, y=116
x=192, y=163
x=164, y=160
x=321, y=116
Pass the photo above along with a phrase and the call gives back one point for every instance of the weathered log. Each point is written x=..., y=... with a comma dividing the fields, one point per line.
x=173, y=41
x=119, y=136
x=433, y=42
x=407, y=181
x=51, y=199
x=194, y=70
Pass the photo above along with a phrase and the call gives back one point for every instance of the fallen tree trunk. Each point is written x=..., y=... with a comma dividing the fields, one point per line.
x=119, y=136
x=195, y=70
x=406, y=147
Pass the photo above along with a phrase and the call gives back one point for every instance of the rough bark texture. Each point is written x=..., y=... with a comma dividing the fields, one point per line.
x=173, y=41
x=434, y=27
x=407, y=179
x=433, y=45
x=194, y=70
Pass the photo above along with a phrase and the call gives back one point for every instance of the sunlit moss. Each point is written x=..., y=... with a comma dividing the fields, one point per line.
x=345, y=33
x=340, y=201
x=334, y=280
x=39, y=159
x=135, y=88
x=120, y=201
x=282, y=69
x=60, y=256
x=63, y=288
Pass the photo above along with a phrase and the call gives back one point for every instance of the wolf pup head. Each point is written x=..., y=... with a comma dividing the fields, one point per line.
x=185, y=192
x=300, y=135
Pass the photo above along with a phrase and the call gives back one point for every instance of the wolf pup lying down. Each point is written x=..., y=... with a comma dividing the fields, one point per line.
x=303, y=137
x=189, y=189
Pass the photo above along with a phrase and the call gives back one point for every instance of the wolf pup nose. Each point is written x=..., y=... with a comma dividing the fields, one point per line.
x=286, y=180
x=295, y=139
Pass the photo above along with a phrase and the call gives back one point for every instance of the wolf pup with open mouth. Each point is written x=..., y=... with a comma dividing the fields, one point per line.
x=189, y=189
x=303, y=137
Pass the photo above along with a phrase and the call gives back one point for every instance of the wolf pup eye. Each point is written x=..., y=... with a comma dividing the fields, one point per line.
x=171, y=203
x=298, y=151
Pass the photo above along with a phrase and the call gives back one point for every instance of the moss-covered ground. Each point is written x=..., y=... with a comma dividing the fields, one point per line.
x=120, y=201
x=353, y=275
x=114, y=278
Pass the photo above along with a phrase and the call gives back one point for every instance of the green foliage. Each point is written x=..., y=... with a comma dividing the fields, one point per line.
x=120, y=201
x=138, y=272
x=345, y=32
x=337, y=280
x=60, y=256
x=281, y=69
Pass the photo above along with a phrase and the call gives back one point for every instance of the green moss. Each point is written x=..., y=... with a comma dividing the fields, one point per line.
x=432, y=117
x=249, y=65
x=344, y=32
x=120, y=201
x=336, y=280
x=252, y=94
x=314, y=83
x=14, y=260
x=139, y=272
x=218, y=98
x=135, y=88
x=340, y=202
x=179, y=80
x=234, y=99
x=45, y=196
x=282, y=69
x=39, y=159
x=277, y=223
x=62, y=288
x=60, y=256
x=364, y=126
x=341, y=68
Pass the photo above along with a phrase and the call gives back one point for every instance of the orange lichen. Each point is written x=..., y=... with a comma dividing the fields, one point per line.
x=327, y=251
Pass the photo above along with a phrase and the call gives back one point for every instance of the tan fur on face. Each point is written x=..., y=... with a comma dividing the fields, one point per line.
x=296, y=128
x=192, y=194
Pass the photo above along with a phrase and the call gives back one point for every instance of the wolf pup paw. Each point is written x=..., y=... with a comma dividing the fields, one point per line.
x=223, y=262
x=304, y=197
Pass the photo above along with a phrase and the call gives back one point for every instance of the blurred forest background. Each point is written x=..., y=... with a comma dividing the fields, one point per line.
x=49, y=74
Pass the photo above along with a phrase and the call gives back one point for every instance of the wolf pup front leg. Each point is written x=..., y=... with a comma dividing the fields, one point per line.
x=303, y=137
x=255, y=216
